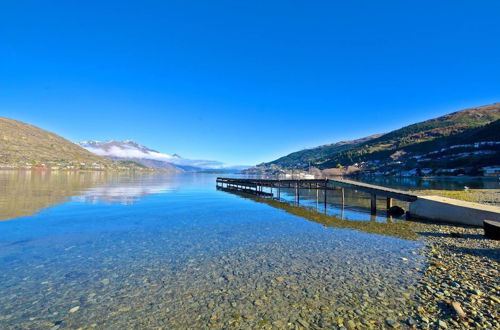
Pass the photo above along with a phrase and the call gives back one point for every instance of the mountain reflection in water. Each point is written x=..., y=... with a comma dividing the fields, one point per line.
x=23, y=193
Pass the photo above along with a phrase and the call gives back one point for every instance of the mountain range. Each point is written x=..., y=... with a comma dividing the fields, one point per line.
x=463, y=142
x=26, y=146
x=132, y=151
x=458, y=143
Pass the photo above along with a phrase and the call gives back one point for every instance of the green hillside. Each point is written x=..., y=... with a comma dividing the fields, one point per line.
x=455, y=151
x=315, y=156
x=401, y=145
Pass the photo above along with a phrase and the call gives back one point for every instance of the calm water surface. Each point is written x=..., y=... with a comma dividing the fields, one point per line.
x=150, y=250
x=438, y=183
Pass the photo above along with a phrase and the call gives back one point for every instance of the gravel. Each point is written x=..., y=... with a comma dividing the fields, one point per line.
x=463, y=270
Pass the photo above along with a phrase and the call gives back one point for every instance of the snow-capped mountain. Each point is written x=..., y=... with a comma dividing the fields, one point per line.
x=130, y=150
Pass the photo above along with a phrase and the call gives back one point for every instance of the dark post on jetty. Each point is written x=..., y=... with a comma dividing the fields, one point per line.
x=256, y=187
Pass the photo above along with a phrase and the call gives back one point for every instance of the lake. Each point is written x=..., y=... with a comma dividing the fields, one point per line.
x=120, y=250
x=431, y=183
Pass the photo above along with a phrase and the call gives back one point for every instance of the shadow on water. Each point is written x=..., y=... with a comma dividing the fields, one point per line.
x=394, y=228
x=490, y=253
x=452, y=235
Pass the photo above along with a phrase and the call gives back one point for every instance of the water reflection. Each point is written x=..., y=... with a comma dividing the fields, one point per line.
x=23, y=193
x=348, y=204
x=373, y=224
x=127, y=189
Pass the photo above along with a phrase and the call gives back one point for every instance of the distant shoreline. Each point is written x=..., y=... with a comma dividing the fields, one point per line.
x=143, y=170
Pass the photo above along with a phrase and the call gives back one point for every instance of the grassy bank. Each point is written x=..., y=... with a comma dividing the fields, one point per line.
x=483, y=196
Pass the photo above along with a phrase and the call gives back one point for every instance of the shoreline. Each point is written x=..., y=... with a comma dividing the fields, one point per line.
x=83, y=170
x=463, y=267
x=115, y=170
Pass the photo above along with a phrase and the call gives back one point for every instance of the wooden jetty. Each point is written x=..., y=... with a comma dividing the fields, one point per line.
x=256, y=187
x=435, y=208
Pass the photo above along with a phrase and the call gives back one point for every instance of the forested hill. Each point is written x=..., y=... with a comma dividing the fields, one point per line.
x=400, y=147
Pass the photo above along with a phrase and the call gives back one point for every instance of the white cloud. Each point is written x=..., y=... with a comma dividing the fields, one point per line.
x=131, y=152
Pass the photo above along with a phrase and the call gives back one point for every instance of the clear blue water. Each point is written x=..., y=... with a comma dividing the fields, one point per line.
x=132, y=251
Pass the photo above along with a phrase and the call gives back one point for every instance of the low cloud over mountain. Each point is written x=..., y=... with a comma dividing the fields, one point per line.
x=130, y=150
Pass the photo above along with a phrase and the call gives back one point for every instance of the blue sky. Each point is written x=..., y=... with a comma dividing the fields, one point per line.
x=243, y=81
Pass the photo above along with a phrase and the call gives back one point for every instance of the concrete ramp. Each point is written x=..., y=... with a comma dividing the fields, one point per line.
x=453, y=211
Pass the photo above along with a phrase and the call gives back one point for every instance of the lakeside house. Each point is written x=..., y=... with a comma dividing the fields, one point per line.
x=299, y=175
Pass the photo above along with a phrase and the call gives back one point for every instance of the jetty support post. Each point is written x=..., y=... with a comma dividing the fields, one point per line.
x=389, y=205
x=343, y=199
x=324, y=196
x=317, y=196
x=373, y=204
x=297, y=197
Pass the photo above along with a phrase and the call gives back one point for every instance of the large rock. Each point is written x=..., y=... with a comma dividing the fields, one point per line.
x=396, y=211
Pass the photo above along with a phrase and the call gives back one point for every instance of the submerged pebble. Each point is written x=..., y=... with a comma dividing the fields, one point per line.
x=74, y=309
